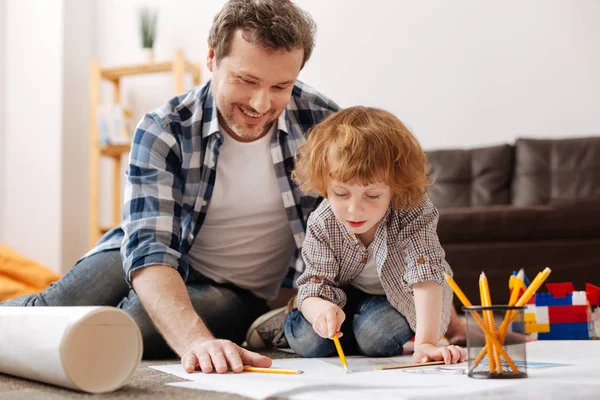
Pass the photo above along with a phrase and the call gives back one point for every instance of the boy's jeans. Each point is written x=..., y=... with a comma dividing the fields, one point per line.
x=372, y=328
x=98, y=280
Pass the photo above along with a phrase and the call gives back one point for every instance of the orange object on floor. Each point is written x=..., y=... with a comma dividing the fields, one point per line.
x=20, y=276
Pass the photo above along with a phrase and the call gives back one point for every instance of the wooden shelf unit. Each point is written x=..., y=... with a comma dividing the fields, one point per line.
x=179, y=66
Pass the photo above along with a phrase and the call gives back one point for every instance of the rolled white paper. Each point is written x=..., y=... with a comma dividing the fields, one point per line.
x=91, y=349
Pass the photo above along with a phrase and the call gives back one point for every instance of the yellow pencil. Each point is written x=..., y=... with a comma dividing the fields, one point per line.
x=338, y=346
x=489, y=320
x=248, y=368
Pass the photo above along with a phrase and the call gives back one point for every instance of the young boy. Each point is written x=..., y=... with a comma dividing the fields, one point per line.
x=374, y=264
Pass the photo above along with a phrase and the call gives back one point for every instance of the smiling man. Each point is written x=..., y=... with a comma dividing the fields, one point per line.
x=212, y=221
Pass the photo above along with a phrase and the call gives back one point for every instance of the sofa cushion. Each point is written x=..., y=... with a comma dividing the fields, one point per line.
x=547, y=170
x=470, y=178
x=574, y=219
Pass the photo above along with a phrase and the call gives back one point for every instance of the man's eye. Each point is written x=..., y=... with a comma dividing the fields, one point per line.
x=340, y=194
x=374, y=197
x=247, y=81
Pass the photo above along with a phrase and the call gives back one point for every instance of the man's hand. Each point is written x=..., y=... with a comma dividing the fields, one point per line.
x=325, y=317
x=164, y=295
x=220, y=356
x=430, y=352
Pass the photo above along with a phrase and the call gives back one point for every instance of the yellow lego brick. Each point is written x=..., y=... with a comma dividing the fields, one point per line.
x=530, y=318
x=532, y=327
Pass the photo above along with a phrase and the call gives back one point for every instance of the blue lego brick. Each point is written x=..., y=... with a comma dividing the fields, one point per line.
x=546, y=299
x=518, y=327
x=574, y=331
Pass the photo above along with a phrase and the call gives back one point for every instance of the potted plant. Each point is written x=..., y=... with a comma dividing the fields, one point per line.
x=148, y=19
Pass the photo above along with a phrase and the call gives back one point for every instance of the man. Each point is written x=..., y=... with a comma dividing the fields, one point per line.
x=211, y=214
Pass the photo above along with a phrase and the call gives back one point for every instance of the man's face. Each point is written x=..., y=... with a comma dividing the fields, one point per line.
x=252, y=86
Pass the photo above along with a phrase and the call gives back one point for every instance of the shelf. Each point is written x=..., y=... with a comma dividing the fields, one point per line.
x=178, y=67
x=114, y=150
x=115, y=73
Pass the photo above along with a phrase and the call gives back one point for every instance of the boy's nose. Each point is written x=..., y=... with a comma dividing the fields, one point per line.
x=354, y=207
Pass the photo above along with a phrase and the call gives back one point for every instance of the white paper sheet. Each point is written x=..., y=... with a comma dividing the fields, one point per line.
x=92, y=349
x=323, y=378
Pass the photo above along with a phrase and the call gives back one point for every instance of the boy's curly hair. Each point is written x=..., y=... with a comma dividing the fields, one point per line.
x=370, y=145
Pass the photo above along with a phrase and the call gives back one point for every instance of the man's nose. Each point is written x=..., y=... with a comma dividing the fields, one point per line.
x=261, y=101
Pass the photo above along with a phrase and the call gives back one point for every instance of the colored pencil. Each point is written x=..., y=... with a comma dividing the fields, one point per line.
x=338, y=346
x=248, y=368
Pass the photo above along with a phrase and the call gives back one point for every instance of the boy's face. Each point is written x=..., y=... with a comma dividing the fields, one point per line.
x=359, y=208
x=252, y=86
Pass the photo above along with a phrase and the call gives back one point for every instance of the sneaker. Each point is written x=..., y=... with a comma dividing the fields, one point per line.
x=267, y=330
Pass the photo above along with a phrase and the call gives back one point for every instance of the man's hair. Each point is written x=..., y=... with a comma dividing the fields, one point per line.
x=369, y=145
x=271, y=24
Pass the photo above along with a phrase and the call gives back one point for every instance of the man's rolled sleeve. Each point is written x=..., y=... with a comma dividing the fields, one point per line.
x=319, y=279
x=153, y=200
x=424, y=255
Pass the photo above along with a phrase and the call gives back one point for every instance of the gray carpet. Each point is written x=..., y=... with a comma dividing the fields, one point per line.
x=146, y=384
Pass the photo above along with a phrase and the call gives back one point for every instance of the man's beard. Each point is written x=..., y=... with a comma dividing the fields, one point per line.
x=237, y=130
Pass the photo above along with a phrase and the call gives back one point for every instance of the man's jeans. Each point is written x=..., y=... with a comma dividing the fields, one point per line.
x=372, y=328
x=98, y=280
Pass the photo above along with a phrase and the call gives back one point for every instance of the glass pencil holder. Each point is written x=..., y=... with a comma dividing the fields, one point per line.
x=502, y=355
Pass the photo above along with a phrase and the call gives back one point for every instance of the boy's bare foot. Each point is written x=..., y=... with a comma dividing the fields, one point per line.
x=456, y=333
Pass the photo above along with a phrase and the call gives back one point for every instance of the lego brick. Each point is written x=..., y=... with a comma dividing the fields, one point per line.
x=567, y=314
x=518, y=327
x=576, y=331
x=579, y=298
x=530, y=318
x=533, y=327
x=593, y=294
x=546, y=299
x=541, y=315
x=560, y=289
x=530, y=308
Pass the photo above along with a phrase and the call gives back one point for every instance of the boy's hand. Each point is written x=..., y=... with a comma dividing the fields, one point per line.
x=325, y=317
x=429, y=352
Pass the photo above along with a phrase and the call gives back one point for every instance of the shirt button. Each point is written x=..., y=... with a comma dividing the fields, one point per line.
x=317, y=280
x=364, y=260
x=421, y=260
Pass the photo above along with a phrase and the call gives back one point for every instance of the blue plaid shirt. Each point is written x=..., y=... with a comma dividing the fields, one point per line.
x=171, y=176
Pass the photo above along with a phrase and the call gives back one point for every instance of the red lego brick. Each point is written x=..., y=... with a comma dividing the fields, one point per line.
x=593, y=294
x=560, y=289
x=567, y=314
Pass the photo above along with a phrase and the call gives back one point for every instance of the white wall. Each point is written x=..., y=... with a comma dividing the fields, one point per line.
x=48, y=48
x=79, y=45
x=464, y=72
x=2, y=112
x=33, y=176
x=459, y=73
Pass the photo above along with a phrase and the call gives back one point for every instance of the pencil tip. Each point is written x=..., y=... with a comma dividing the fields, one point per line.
x=298, y=372
x=346, y=370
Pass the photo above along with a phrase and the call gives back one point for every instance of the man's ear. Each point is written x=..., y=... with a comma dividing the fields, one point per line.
x=210, y=59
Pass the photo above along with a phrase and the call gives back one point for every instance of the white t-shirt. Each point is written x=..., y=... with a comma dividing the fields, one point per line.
x=246, y=238
x=368, y=280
